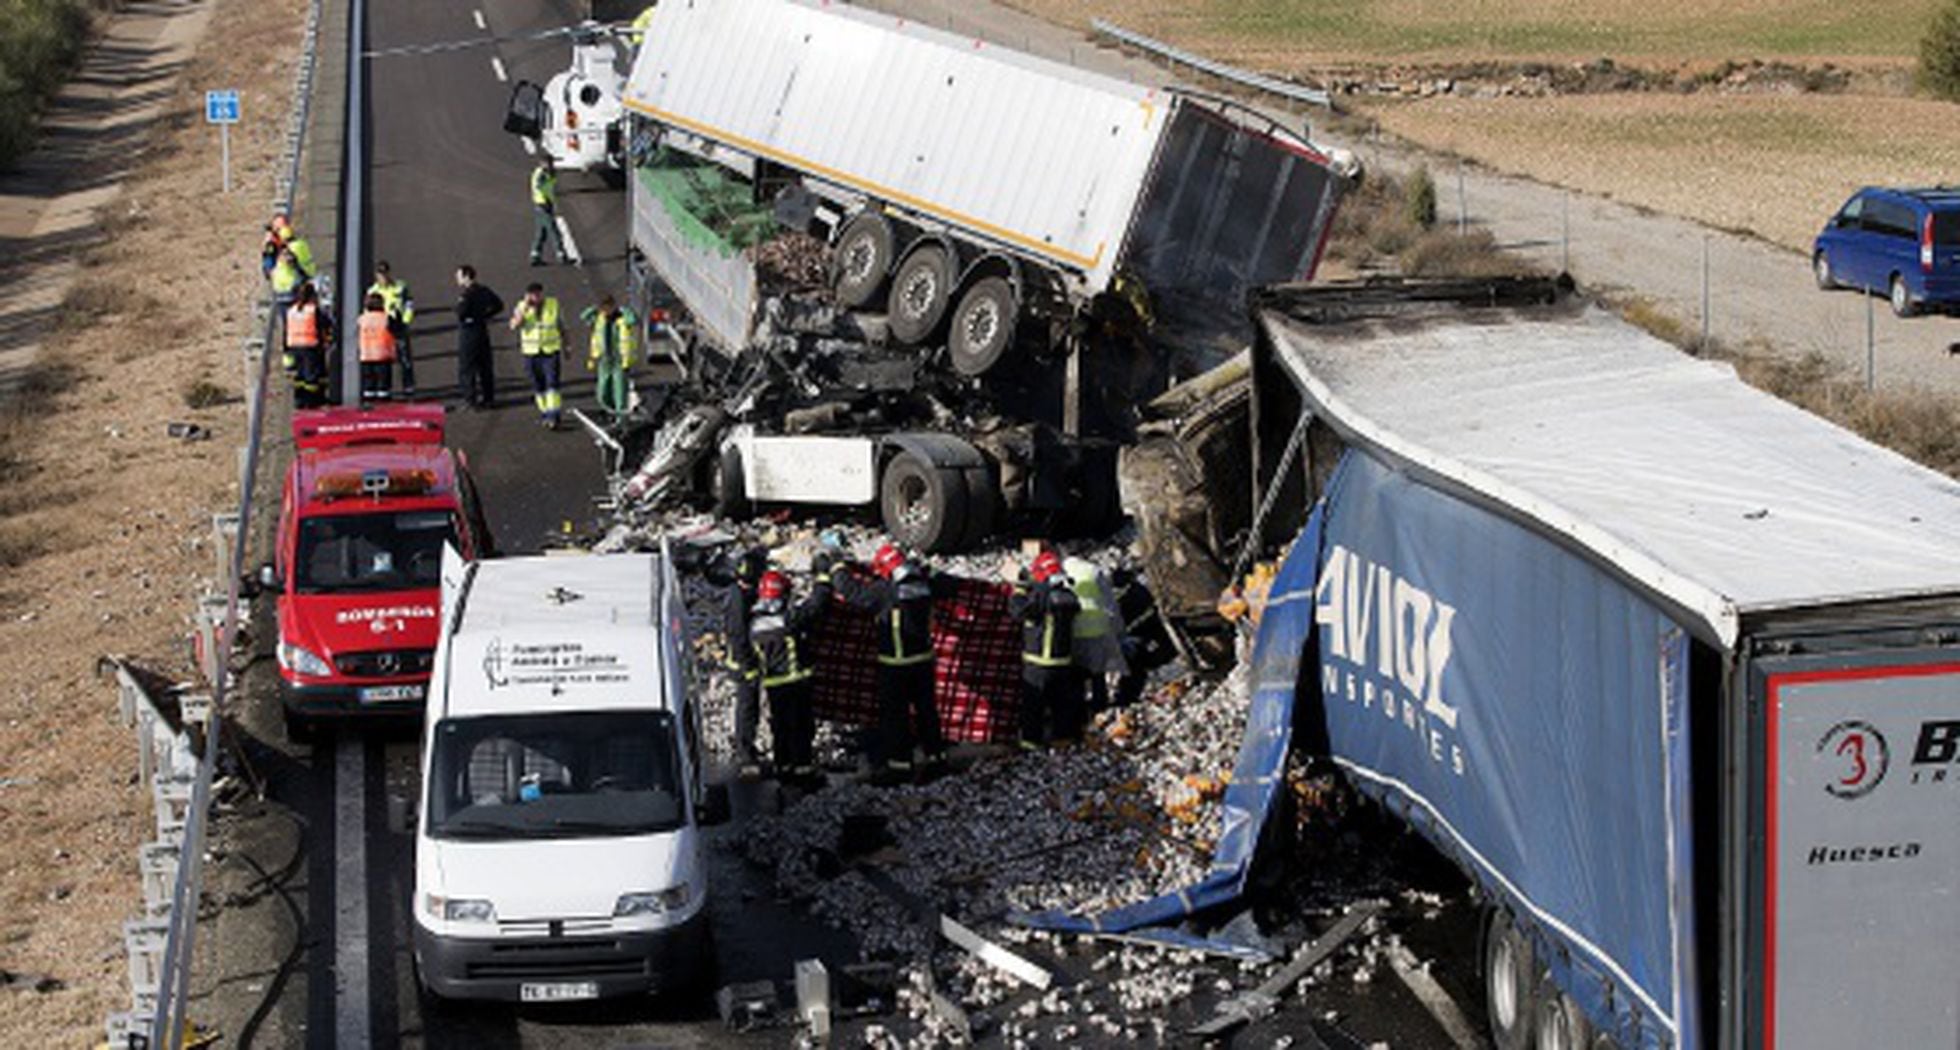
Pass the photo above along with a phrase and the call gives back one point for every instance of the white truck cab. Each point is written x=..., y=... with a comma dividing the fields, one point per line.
x=558, y=851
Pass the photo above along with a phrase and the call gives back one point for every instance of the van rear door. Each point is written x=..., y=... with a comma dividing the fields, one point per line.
x=1854, y=873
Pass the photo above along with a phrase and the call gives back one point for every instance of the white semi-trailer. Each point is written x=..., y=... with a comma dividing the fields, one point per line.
x=969, y=190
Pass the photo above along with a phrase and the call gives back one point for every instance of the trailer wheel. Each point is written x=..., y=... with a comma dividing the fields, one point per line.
x=921, y=291
x=1561, y=1025
x=1510, y=981
x=860, y=260
x=983, y=326
x=727, y=486
x=924, y=507
x=982, y=506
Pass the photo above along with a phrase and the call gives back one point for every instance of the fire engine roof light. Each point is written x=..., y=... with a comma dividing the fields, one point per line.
x=375, y=483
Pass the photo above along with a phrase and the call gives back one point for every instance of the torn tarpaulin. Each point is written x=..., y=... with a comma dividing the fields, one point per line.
x=1257, y=778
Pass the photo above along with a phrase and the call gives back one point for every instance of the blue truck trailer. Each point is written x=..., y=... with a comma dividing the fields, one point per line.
x=1669, y=667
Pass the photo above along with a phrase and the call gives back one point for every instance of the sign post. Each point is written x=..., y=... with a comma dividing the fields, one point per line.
x=221, y=108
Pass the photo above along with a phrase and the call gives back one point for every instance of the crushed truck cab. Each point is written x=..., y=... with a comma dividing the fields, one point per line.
x=370, y=501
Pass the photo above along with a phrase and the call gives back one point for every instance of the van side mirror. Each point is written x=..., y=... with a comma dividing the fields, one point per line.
x=268, y=577
x=714, y=807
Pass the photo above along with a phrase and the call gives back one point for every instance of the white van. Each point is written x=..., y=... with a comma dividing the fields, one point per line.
x=558, y=851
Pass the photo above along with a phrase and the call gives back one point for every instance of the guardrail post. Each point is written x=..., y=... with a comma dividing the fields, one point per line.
x=157, y=864
x=224, y=536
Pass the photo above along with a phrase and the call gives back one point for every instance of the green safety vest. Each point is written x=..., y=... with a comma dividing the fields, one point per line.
x=544, y=187
x=396, y=299
x=1092, y=619
x=286, y=277
x=626, y=337
x=539, y=333
x=302, y=254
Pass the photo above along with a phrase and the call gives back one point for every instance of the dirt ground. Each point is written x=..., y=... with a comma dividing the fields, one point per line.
x=1775, y=166
x=105, y=521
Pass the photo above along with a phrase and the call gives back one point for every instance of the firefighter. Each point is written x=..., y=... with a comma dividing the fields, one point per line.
x=309, y=330
x=1098, y=643
x=287, y=275
x=401, y=306
x=541, y=336
x=544, y=212
x=899, y=596
x=292, y=260
x=380, y=336
x=1051, y=684
x=615, y=347
x=476, y=305
x=741, y=576
x=780, y=635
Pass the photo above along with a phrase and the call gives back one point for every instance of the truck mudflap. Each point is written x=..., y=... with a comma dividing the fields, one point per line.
x=1858, y=939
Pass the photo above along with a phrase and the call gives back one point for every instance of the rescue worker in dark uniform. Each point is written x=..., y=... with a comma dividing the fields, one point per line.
x=899, y=598
x=742, y=573
x=780, y=635
x=1051, y=684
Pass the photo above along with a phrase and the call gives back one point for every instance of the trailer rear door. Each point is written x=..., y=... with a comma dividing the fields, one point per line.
x=1858, y=856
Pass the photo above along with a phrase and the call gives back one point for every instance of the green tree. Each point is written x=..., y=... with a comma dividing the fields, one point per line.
x=1419, y=197
x=1939, y=53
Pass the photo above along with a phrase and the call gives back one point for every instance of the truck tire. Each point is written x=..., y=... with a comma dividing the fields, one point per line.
x=983, y=326
x=727, y=485
x=924, y=507
x=299, y=728
x=1510, y=983
x=1559, y=1024
x=860, y=259
x=921, y=290
x=982, y=506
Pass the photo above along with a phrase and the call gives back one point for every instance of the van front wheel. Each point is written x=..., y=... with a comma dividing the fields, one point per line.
x=1821, y=267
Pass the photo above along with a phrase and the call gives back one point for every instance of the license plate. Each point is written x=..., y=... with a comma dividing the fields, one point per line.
x=558, y=992
x=381, y=694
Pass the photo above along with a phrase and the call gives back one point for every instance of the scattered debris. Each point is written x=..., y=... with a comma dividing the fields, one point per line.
x=1415, y=975
x=1264, y=1000
x=994, y=955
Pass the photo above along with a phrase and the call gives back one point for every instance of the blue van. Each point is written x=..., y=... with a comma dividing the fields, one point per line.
x=1903, y=243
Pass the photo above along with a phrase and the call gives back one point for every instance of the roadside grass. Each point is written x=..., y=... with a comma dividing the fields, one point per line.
x=39, y=43
x=1771, y=165
x=23, y=491
x=1282, y=33
x=1921, y=425
x=1388, y=225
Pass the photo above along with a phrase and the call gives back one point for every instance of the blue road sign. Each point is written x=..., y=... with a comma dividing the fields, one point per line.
x=221, y=107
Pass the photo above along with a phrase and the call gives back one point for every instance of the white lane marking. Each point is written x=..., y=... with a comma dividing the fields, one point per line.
x=350, y=917
x=530, y=146
x=480, y=23
x=497, y=67
x=571, y=246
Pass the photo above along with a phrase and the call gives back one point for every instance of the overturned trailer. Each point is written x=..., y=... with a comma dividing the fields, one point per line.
x=1670, y=667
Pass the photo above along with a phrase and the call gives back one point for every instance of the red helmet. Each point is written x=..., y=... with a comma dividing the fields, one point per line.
x=887, y=560
x=1047, y=565
x=772, y=587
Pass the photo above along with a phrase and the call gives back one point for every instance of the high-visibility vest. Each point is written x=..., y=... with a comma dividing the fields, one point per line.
x=394, y=296
x=626, y=338
x=286, y=276
x=539, y=333
x=544, y=187
x=377, y=340
x=302, y=254
x=1092, y=619
x=303, y=325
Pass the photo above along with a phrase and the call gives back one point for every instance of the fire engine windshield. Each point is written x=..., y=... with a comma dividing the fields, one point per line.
x=383, y=551
x=578, y=775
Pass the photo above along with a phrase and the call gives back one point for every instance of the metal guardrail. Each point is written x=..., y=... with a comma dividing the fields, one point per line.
x=179, y=756
x=1243, y=78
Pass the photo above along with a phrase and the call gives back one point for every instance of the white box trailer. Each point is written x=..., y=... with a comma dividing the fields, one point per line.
x=977, y=185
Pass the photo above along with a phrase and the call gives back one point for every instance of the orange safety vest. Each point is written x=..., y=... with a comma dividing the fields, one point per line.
x=377, y=341
x=303, y=326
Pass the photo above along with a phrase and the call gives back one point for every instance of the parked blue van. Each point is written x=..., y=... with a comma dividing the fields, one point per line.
x=1902, y=243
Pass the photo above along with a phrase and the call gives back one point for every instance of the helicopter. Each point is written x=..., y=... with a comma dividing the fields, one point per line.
x=575, y=117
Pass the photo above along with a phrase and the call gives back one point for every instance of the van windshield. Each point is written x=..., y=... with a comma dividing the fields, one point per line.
x=578, y=775
x=384, y=551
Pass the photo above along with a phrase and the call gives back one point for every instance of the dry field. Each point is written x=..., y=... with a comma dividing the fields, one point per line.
x=1289, y=35
x=104, y=523
x=1772, y=165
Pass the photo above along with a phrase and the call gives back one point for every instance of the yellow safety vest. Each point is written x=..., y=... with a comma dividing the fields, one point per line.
x=394, y=296
x=640, y=24
x=302, y=254
x=544, y=187
x=539, y=333
x=286, y=277
x=1092, y=619
x=626, y=339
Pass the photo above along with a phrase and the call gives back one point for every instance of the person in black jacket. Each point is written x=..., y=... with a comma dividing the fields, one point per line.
x=476, y=304
x=1051, y=685
x=742, y=574
x=899, y=597
x=780, y=634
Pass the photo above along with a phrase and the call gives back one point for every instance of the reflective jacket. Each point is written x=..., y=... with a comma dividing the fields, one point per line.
x=781, y=637
x=624, y=331
x=396, y=297
x=1047, y=614
x=544, y=187
x=540, y=333
x=902, y=607
x=1091, y=596
x=303, y=325
x=377, y=337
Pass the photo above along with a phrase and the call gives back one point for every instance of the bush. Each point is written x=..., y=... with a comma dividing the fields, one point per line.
x=39, y=43
x=1939, y=53
x=1419, y=198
